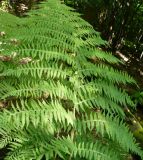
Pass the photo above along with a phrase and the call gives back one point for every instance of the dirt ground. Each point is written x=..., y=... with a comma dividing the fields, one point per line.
x=132, y=65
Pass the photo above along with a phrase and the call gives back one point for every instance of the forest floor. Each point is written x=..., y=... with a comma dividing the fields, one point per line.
x=133, y=66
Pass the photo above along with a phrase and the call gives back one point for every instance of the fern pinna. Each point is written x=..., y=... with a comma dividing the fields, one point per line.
x=61, y=96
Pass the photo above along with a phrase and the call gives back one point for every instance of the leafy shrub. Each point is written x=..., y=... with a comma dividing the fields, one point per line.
x=62, y=97
x=138, y=97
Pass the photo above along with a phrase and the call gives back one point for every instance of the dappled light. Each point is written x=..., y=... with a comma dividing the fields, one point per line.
x=71, y=80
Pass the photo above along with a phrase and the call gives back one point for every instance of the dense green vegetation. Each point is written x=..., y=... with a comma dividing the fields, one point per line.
x=120, y=22
x=61, y=94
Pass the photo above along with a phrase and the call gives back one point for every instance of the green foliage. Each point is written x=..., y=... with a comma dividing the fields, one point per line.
x=138, y=97
x=64, y=99
x=4, y=5
x=120, y=22
x=17, y=7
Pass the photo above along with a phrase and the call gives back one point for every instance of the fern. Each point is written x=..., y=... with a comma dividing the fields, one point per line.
x=64, y=99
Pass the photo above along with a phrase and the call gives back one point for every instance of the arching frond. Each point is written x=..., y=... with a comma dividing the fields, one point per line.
x=63, y=97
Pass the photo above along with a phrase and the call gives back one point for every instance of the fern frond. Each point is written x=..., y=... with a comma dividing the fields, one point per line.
x=39, y=70
x=95, y=151
x=64, y=98
x=106, y=72
x=107, y=125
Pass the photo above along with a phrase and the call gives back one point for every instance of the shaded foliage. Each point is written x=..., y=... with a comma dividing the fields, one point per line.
x=120, y=22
